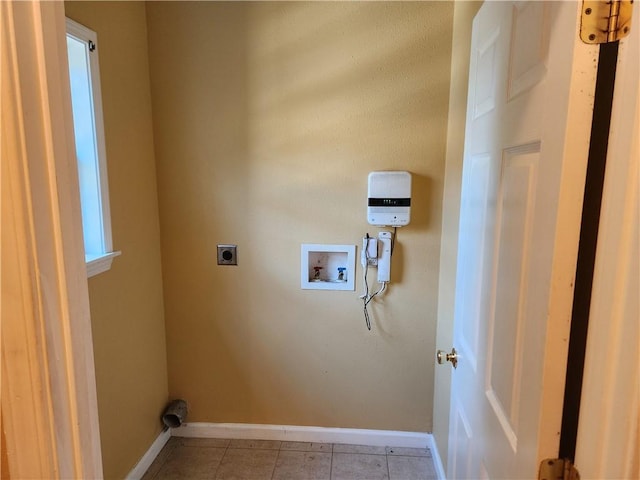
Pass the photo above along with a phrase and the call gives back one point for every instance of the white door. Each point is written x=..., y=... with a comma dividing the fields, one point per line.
x=529, y=108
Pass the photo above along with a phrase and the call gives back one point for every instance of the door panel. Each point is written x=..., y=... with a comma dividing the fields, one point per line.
x=464, y=442
x=505, y=351
x=485, y=80
x=475, y=210
x=529, y=46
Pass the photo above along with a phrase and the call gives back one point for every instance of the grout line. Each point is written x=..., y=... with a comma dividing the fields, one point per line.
x=387, y=458
x=273, y=472
x=331, y=463
x=215, y=474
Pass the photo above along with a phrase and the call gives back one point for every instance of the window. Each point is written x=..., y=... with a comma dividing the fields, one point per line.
x=84, y=76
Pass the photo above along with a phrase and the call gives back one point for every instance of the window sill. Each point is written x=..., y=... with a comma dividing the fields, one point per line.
x=99, y=263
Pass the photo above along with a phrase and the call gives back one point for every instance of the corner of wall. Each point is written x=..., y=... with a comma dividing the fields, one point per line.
x=127, y=311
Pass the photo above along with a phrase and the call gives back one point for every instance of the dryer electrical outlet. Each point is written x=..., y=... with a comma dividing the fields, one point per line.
x=227, y=255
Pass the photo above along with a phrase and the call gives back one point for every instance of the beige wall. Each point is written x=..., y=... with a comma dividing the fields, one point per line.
x=126, y=302
x=267, y=119
x=460, y=51
x=4, y=460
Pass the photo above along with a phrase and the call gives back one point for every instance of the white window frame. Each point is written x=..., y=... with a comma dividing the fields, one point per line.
x=97, y=261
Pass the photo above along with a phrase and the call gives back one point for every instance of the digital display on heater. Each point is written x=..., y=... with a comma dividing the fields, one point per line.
x=389, y=202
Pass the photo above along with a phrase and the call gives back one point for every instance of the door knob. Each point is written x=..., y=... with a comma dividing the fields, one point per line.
x=452, y=357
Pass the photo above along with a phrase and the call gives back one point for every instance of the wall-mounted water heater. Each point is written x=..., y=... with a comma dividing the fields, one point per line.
x=389, y=203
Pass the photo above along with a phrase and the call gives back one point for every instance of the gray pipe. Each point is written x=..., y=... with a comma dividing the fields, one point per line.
x=175, y=413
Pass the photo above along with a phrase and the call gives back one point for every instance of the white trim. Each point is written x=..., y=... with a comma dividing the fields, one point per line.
x=49, y=402
x=608, y=443
x=150, y=455
x=99, y=263
x=292, y=433
x=437, y=460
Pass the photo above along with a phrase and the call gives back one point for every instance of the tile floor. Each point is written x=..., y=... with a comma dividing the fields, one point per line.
x=211, y=458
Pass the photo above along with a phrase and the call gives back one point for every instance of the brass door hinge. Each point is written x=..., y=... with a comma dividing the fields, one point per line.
x=558, y=469
x=605, y=21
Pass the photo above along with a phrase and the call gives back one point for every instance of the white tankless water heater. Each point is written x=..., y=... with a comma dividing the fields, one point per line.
x=389, y=203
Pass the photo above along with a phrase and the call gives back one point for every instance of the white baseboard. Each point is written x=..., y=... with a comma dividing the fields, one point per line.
x=147, y=459
x=437, y=460
x=304, y=434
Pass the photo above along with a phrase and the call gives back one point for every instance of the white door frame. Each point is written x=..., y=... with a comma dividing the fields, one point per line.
x=49, y=404
x=609, y=425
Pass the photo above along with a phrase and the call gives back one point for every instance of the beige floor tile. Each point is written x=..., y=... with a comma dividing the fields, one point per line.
x=194, y=463
x=247, y=464
x=411, y=468
x=307, y=446
x=409, y=452
x=294, y=465
x=205, y=442
x=371, y=450
x=357, y=466
x=261, y=444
